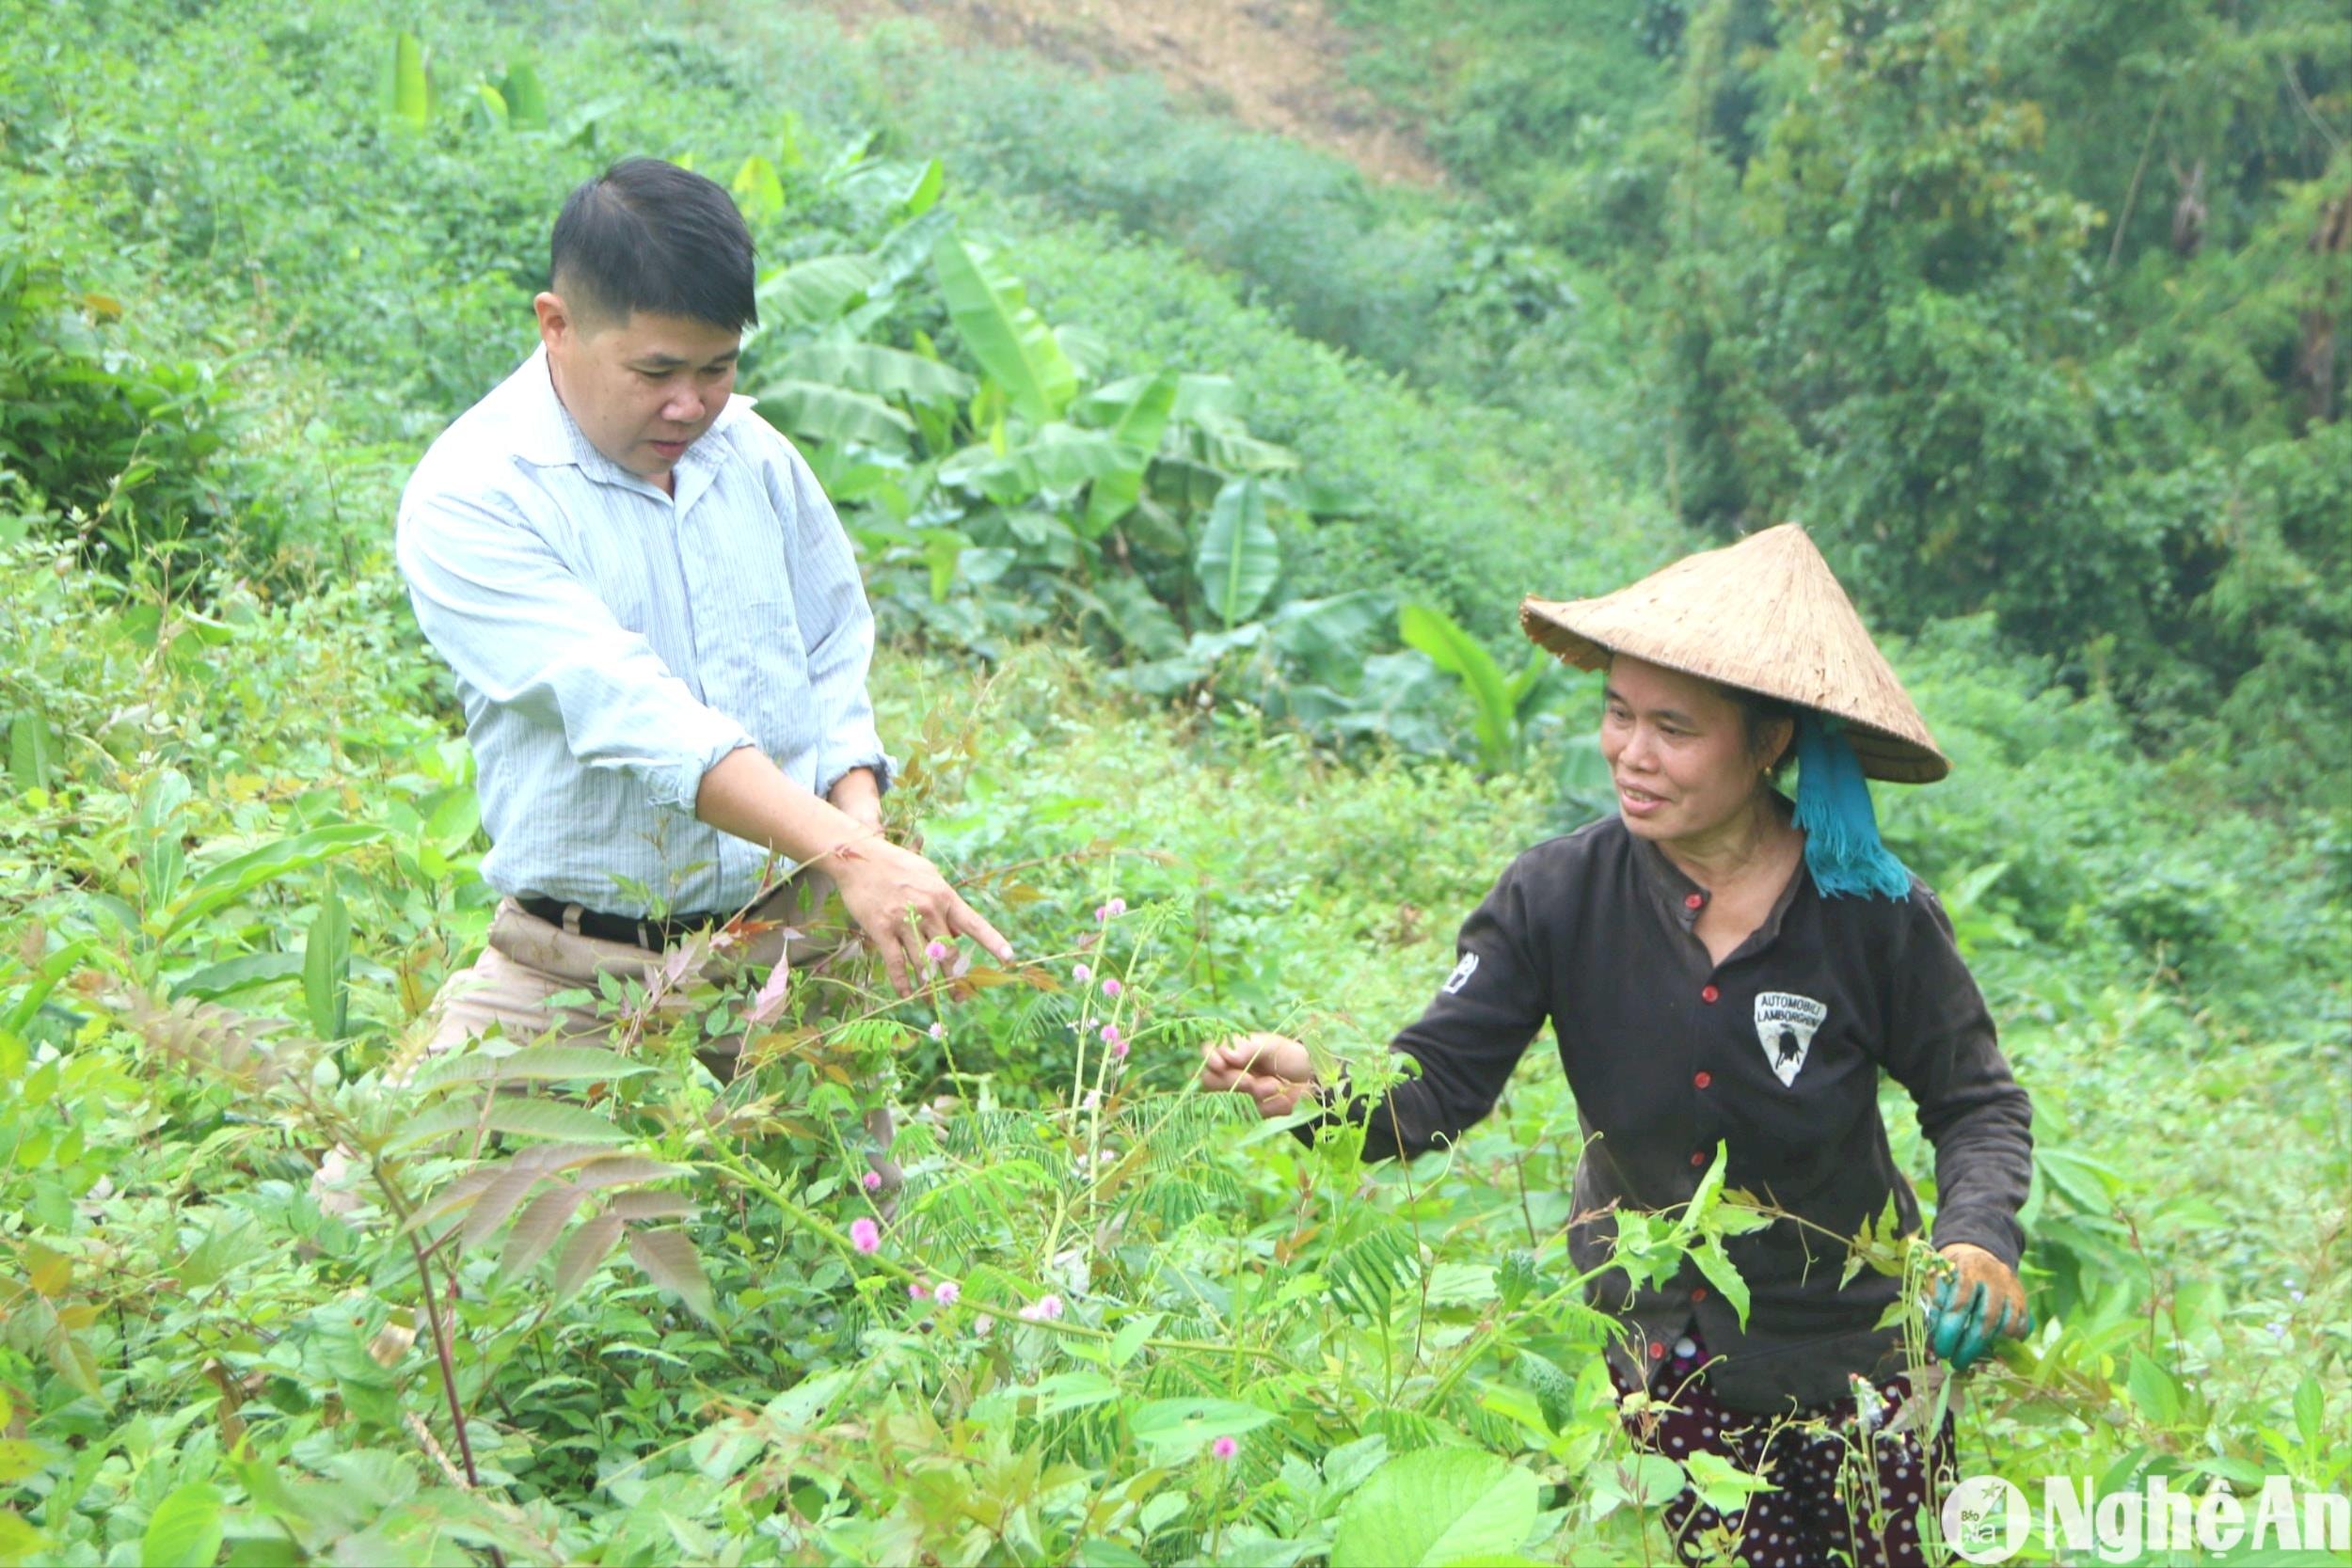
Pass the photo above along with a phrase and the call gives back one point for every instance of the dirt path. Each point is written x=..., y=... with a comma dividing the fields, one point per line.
x=1274, y=65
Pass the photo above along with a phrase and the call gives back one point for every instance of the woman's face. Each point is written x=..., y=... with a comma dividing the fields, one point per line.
x=1678, y=751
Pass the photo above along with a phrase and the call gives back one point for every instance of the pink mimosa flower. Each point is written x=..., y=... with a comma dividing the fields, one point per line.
x=871, y=1182
x=1225, y=1448
x=948, y=1293
x=865, y=1234
x=936, y=952
x=918, y=1292
x=1112, y=987
x=1083, y=973
x=937, y=1031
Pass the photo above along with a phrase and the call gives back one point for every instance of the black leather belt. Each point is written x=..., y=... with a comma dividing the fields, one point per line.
x=646, y=931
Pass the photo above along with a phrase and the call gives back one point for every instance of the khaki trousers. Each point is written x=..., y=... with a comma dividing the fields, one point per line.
x=528, y=961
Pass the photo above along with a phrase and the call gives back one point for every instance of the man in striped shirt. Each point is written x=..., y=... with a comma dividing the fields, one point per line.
x=657, y=627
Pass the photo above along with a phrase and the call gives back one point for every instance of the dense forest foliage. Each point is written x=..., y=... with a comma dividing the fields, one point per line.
x=1195, y=480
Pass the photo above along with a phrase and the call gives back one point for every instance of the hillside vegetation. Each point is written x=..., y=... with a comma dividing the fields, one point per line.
x=1196, y=481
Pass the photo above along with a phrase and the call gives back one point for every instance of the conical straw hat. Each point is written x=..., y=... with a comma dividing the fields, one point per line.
x=1764, y=614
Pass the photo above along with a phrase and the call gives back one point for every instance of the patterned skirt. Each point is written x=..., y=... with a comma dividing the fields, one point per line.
x=1850, y=1477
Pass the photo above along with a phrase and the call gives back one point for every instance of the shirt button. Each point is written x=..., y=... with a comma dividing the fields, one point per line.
x=1702, y=1079
x=1694, y=901
x=1698, y=1156
x=1709, y=993
x=1699, y=1294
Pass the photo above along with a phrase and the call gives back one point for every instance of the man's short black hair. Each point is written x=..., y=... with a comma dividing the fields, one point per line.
x=648, y=235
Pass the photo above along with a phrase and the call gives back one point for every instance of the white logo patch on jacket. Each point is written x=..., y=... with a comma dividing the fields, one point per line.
x=1784, y=1023
x=1462, y=972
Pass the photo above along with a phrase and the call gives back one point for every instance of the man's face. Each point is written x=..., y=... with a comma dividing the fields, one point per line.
x=644, y=388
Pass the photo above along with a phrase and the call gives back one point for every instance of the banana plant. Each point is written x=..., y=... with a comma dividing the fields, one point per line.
x=1501, y=705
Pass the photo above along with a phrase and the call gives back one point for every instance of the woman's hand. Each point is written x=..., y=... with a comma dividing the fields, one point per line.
x=1973, y=1305
x=1272, y=1070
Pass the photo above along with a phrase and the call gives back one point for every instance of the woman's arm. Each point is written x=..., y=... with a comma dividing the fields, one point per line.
x=1466, y=1043
x=1943, y=1050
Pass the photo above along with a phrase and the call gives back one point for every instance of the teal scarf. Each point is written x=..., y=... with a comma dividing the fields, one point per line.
x=1841, y=832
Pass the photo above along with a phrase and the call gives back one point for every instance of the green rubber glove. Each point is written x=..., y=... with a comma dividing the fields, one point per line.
x=1958, y=1331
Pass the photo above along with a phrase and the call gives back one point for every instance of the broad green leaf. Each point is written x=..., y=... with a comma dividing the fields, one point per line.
x=1063, y=1392
x=227, y=978
x=1208, y=400
x=583, y=1252
x=924, y=192
x=1182, y=1428
x=756, y=189
x=46, y=977
x=2311, y=1410
x=1239, y=557
x=875, y=369
x=544, y=1118
x=821, y=413
x=18, y=1540
x=1647, y=1480
x=2154, y=1389
x=185, y=1530
x=669, y=1261
x=493, y=105
x=533, y=1064
x=1136, y=433
x=32, y=753
x=542, y=1221
x=411, y=90
x=1436, y=1506
x=526, y=100
x=233, y=879
x=1329, y=637
x=326, y=967
x=1010, y=340
x=1716, y=1264
x=810, y=293
x=19, y=1459
x=1710, y=1189
x=1720, y=1484
x=1459, y=654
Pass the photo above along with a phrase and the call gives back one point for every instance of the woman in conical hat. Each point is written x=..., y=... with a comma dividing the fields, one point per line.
x=1727, y=973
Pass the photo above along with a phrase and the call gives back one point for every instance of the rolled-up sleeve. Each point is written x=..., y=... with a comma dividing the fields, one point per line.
x=1942, y=1048
x=523, y=630
x=836, y=624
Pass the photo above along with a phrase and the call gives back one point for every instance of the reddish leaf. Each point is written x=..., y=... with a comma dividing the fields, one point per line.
x=540, y=1225
x=669, y=1259
x=583, y=1252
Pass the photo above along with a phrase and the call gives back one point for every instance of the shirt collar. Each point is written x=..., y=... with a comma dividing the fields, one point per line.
x=1671, y=893
x=548, y=437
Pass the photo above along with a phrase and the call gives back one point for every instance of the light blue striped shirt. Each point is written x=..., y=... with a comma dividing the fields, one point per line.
x=613, y=642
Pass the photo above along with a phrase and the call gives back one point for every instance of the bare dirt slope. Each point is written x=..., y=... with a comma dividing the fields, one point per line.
x=1274, y=65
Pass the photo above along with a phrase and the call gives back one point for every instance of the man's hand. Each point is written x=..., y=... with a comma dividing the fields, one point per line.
x=898, y=899
x=904, y=905
x=1973, y=1305
x=1272, y=1070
